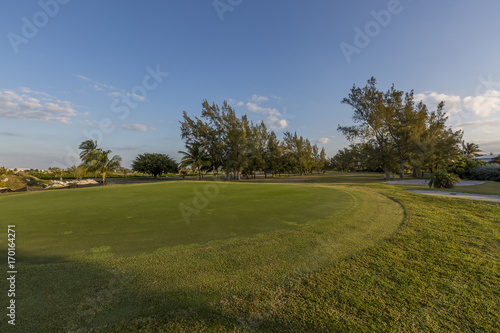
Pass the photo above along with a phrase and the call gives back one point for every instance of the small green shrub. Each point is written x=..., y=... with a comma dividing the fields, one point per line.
x=487, y=172
x=441, y=179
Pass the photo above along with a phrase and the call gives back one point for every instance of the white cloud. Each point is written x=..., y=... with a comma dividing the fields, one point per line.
x=273, y=117
x=23, y=106
x=137, y=127
x=258, y=99
x=483, y=105
x=324, y=141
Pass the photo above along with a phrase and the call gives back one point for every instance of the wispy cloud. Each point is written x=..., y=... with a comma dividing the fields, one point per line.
x=487, y=123
x=82, y=77
x=90, y=123
x=26, y=105
x=489, y=145
x=99, y=87
x=138, y=127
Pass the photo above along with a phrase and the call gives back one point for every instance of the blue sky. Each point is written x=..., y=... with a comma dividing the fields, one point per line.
x=123, y=71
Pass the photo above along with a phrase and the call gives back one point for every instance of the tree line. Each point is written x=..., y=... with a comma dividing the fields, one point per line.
x=220, y=140
x=391, y=133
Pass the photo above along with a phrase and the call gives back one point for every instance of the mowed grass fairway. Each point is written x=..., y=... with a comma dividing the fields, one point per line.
x=340, y=253
x=142, y=218
x=97, y=256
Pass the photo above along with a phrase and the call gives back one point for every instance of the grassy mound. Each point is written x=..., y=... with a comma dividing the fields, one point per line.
x=21, y=180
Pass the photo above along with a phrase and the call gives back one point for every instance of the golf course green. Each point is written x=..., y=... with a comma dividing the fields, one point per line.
x=334, y=252
x=157, y=248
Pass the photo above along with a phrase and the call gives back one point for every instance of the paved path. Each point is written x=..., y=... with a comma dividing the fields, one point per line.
x=484, y=197
x=426, y=182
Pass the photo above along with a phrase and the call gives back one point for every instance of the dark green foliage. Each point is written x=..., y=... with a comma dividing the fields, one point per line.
x=155, y=164
x=463, y=167
x=441, y=179
x=486, y=172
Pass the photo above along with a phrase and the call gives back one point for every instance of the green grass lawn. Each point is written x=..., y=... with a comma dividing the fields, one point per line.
x=242, y=238
x=142, y=218
x=334, y=252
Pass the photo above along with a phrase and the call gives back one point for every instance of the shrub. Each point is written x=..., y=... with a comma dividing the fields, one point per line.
x=441, y=179
x=463, y=167
x=487, y=172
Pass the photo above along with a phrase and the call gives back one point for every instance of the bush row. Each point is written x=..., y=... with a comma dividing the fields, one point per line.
x=486, y=172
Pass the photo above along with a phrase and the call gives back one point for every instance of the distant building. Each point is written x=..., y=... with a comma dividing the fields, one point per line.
x=17, y=169
x=487, y=158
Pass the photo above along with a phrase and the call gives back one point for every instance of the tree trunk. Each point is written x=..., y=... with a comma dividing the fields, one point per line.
x=401, y=167
x=104, y=179
x=387, y=175
x=227, y=176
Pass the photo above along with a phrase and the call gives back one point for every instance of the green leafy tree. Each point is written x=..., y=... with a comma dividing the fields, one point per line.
x=406, y=124
x=441, y=145
x=402, y=132
x=370, y=118
x=221, y=133
x=273, y=158
x=154, y=163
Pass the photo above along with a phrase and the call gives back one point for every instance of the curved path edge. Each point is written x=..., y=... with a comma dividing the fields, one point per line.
x=472, y=196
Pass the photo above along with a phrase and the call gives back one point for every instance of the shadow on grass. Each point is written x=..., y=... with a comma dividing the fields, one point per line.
x=82, y=296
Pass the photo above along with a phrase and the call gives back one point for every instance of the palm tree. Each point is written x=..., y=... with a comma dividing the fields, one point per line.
x=97, y=160
x=88, y=148
x=103, y=164
x=470, y=149
x=195, y=156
